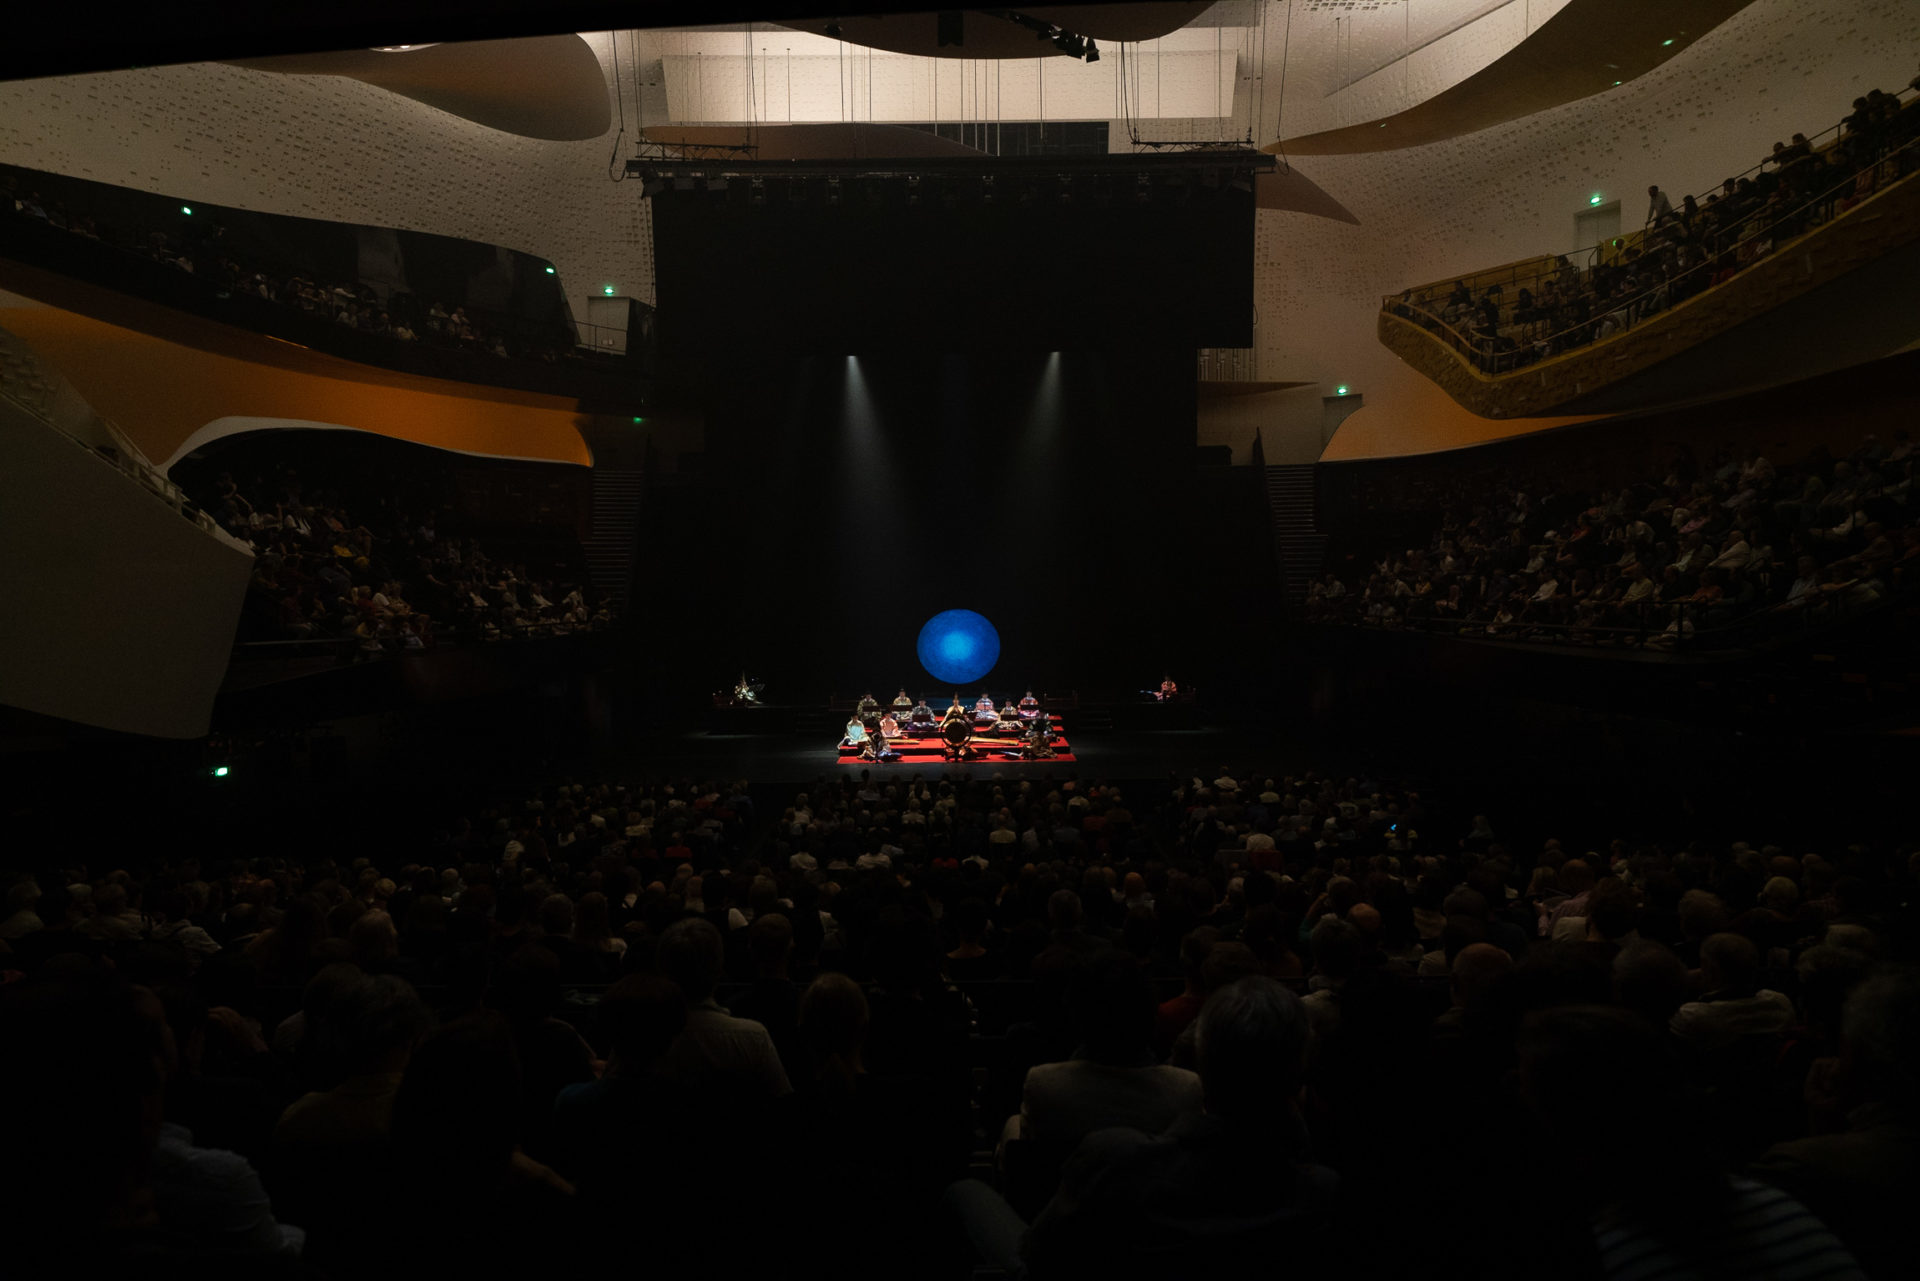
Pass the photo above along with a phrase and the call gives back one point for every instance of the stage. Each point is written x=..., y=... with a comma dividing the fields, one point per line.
x=989, y=744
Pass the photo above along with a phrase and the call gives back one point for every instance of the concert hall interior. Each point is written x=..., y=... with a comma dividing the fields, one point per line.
x=1152, y=639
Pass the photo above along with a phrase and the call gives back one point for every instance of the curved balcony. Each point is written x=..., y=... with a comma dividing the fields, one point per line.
x=1798, y=289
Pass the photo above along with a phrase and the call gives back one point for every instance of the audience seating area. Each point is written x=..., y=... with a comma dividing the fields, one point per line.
x=1543, y=307
x=919, y=1027
x=1722, y=555
x=377, y=580
x=202, y=251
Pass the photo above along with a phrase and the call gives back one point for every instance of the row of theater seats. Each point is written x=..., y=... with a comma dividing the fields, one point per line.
x=1330, y=998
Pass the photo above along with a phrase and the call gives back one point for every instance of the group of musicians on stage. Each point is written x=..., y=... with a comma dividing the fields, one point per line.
x=870, y=726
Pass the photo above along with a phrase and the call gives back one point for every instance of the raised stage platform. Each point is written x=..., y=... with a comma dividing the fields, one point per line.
x=987, y=745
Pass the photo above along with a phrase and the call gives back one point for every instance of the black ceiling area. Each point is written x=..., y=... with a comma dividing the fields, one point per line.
x=51, y=40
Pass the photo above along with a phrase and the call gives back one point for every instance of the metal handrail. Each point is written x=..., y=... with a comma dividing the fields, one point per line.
x=443, y=638
x=1413, y=298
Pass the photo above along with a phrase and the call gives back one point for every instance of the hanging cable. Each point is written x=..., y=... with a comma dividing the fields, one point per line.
x=1257, y=104
x=620, y=102
x=1280, y=116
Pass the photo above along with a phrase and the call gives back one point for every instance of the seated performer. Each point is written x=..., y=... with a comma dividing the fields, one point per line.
x=1167, y=689
x=856, y=732
x=902, y=705
x=983, y=709
x=922, y=717
x=1009, y=718
x=1039, y=741
x=867, y=706
x=1029, y=706
x=743, y=692
x=889, y=727
x=955, y=712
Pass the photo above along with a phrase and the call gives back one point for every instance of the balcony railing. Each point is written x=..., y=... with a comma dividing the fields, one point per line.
x=1677, y=627
x=1497, y=352
x=23, y=375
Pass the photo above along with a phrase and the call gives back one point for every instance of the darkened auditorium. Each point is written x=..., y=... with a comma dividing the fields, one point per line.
x=1190, y=639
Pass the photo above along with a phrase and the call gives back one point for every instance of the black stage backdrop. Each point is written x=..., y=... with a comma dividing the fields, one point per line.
x=846, y=500
x=867, y=275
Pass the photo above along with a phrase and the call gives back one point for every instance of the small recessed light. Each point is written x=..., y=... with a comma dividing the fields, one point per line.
x=607, y=290
x=1341, y=390
x=1665, y=43
x=549, y=271
x=186, y=209
x=1594, y=199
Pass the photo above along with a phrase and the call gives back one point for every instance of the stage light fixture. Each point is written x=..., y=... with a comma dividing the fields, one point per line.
x=1665, y=43
x=187, y=209
x=1341, y=390
x=607, y=290
x=638, y=421
x=549, y=271
x=1594, y=199
x=220, y=771
x=1093, y=52
x=833, y=28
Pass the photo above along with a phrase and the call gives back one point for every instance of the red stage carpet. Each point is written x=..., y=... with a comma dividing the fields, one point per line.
x=985, y=748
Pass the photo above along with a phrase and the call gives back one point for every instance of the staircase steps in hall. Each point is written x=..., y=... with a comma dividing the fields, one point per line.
x=609, y=550
x=1297, y=540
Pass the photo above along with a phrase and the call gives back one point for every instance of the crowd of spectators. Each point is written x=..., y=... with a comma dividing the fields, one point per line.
x=1702, y=243
x=381, y=585
x=1168, y=1030
x=1531, y=557
x=363, y=306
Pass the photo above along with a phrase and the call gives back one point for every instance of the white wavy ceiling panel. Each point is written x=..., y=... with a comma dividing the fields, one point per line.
x=774, y=75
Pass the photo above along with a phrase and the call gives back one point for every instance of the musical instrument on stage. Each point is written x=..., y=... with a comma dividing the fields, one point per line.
x=958, y=735
x=745, y=693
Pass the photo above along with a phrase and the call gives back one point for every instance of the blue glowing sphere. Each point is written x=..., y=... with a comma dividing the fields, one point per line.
x=958, y=647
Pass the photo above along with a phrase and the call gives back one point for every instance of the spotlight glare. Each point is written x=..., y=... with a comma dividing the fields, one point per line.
x=1341, y=390
x=1665, y=43
x=219, y=771
x=607, y=290
x=1594, y=199
x=549, y=271
x=187, y=209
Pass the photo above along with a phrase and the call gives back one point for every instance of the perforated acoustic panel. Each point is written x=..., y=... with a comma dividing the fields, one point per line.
x=329, y=147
